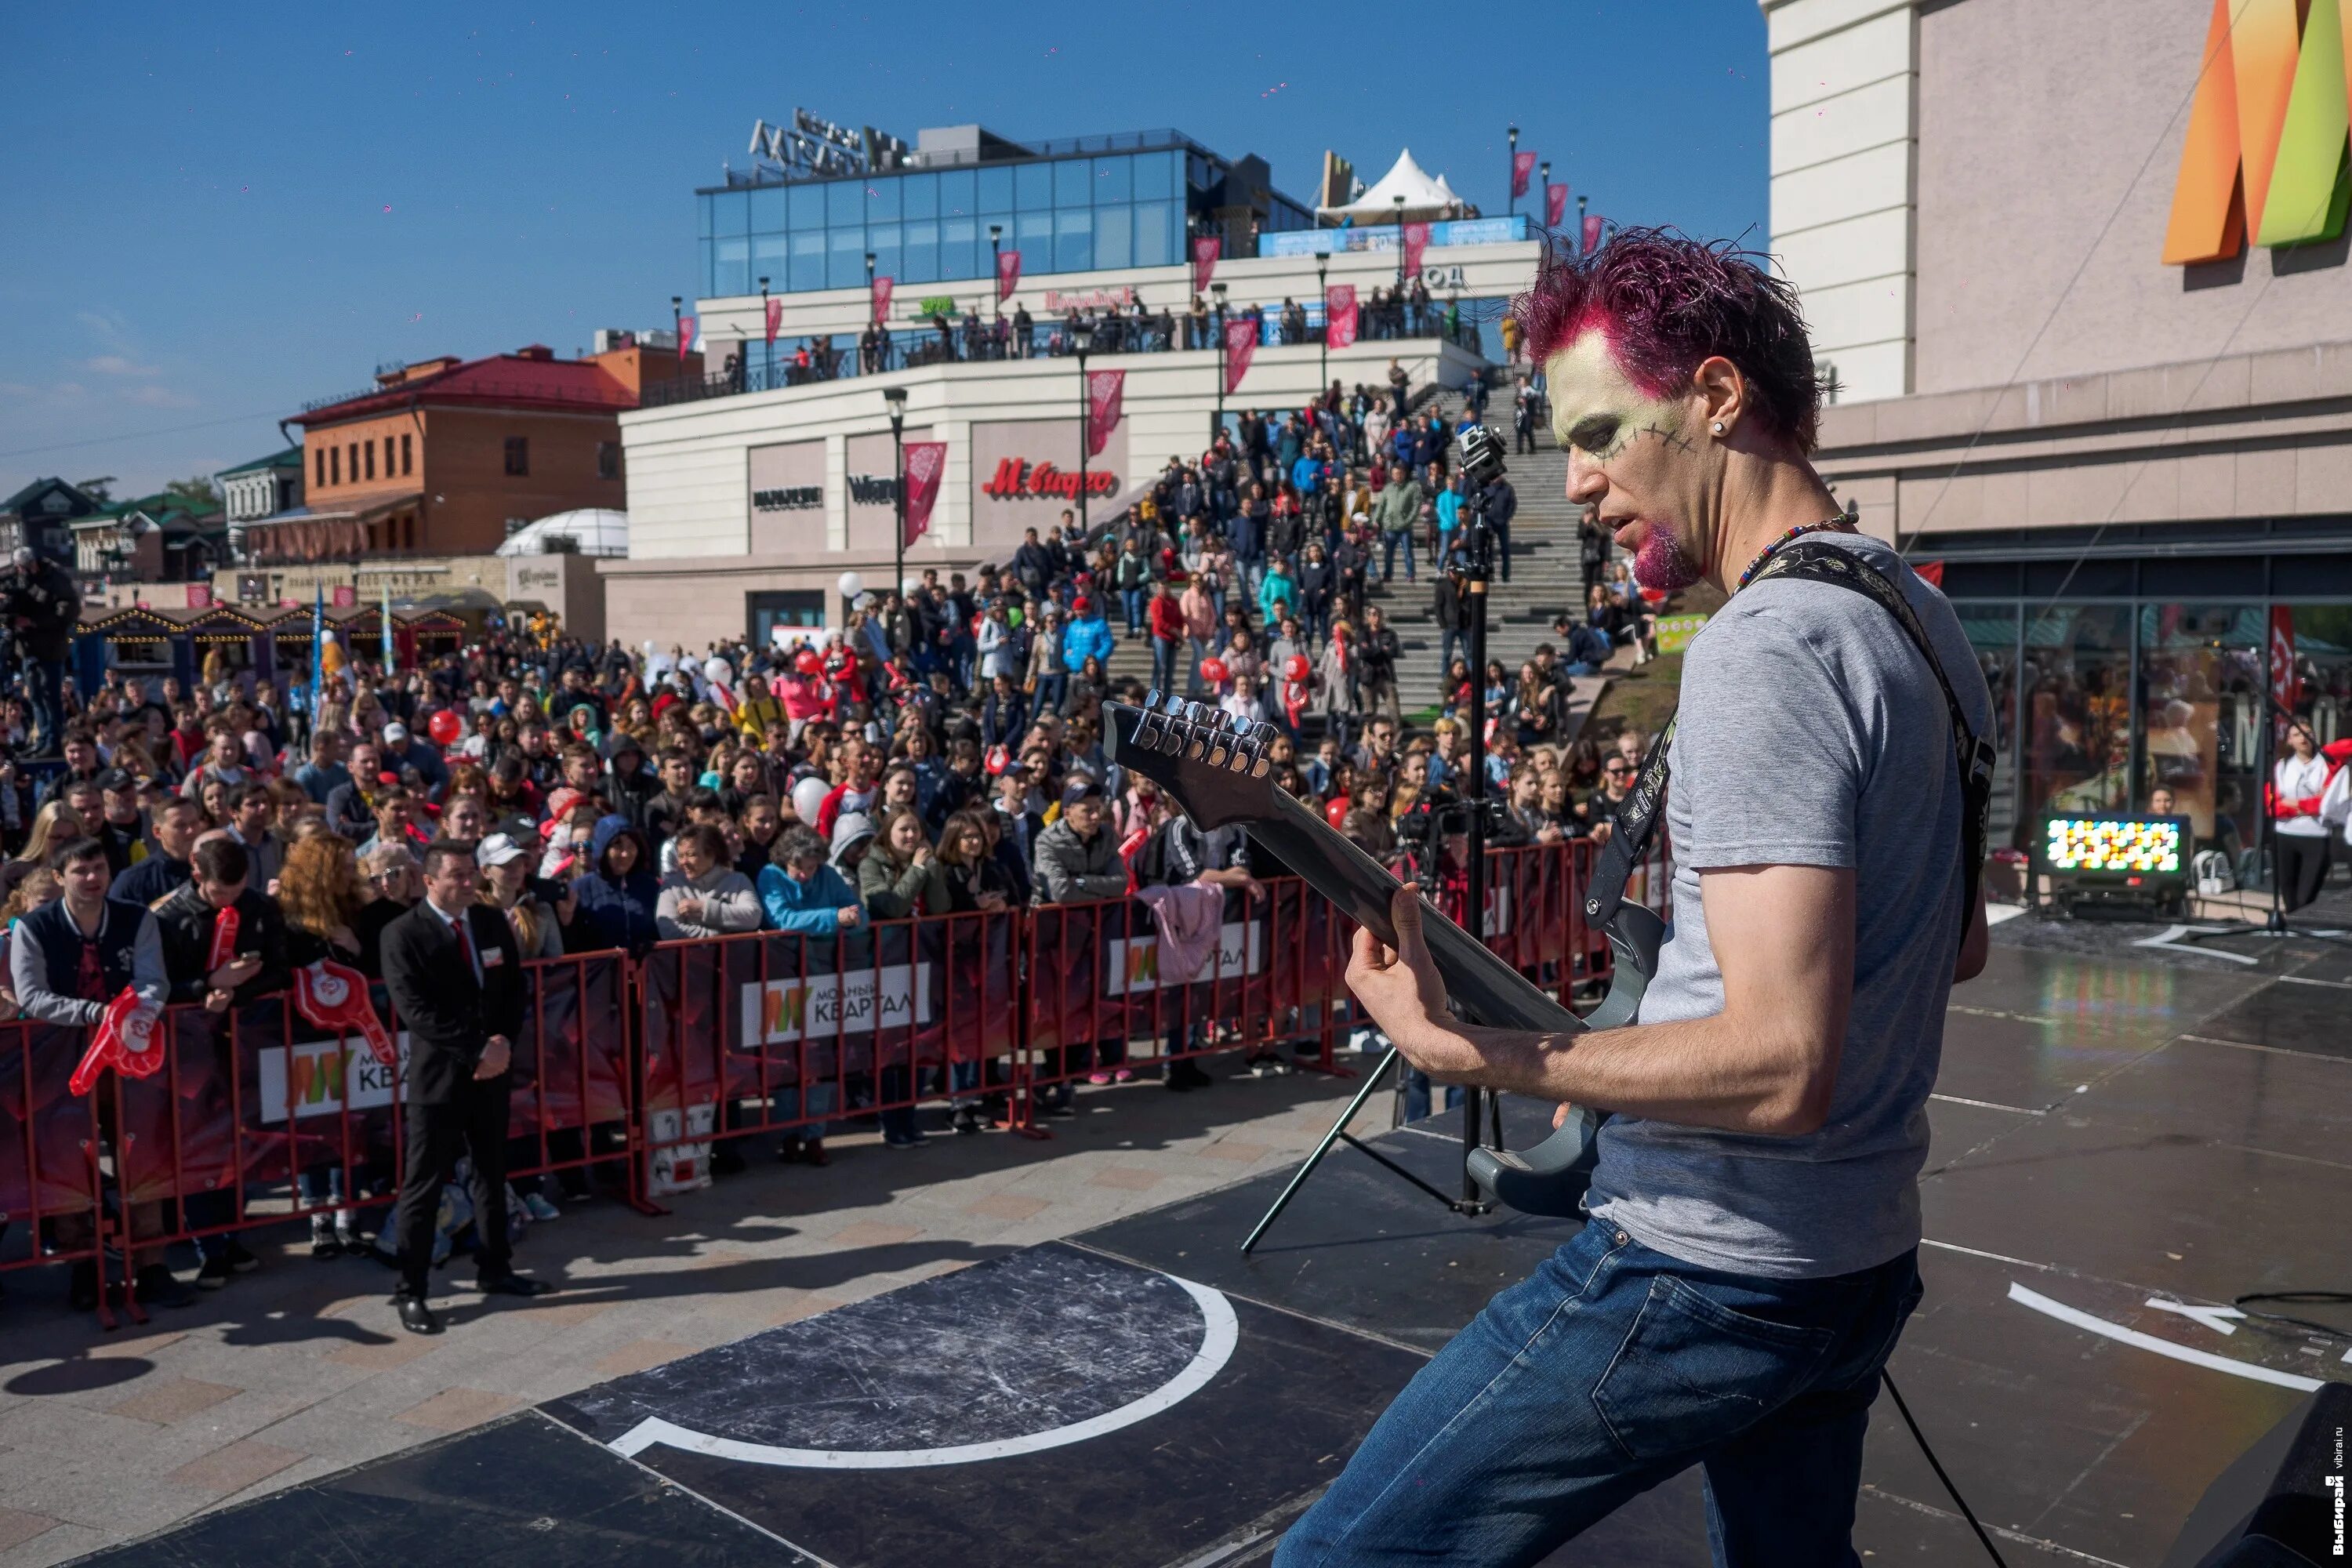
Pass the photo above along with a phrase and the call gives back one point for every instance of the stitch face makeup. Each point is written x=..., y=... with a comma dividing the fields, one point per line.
x=1605, y=419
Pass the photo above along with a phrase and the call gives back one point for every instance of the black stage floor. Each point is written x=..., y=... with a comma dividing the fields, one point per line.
x=2110, y=1133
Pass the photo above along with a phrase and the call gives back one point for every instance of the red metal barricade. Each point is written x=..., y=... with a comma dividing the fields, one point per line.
x=257, y=1117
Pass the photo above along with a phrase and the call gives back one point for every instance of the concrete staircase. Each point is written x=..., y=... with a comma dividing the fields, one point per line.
x=1546, y=581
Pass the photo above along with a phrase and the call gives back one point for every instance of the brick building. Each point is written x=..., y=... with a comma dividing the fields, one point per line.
x=447, y=457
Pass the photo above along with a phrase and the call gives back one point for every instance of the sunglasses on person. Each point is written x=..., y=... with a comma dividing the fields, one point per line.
x=1618, y=768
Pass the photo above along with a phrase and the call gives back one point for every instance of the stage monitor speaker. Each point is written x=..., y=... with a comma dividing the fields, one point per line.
x=2282, y=1504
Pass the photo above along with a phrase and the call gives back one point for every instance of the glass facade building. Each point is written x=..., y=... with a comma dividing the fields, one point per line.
x=2123, y=664
x=1076, y=205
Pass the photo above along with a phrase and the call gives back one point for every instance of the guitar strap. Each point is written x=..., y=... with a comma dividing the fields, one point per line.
x=1810, y=561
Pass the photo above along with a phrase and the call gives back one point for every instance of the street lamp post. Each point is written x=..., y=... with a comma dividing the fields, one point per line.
x=1400, y=288
x=1512, y=205
x=677, y=325
x=768, y=358
x=996, y=265
x=1082, y=338
x=1323, y=288
x=896, y=396
x=1579, y=222
x=1217, y=293
x=1543, y=179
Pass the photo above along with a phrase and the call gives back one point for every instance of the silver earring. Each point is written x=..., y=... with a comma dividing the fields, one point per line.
x=1716, y=426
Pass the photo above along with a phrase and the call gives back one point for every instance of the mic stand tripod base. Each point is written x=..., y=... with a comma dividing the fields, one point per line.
x=1339, y=1134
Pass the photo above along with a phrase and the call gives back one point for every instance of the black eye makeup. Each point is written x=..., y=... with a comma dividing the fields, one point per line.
x=1600, y=436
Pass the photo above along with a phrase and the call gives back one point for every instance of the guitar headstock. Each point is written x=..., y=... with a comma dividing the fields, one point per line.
x=1210, y=763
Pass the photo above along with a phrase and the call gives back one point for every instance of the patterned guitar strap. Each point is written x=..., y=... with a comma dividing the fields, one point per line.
x=1812, y=560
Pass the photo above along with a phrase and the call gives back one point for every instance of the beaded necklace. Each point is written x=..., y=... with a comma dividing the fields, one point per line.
x=1773, y=549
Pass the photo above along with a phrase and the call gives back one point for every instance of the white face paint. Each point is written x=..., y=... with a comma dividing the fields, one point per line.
x=1604, y=420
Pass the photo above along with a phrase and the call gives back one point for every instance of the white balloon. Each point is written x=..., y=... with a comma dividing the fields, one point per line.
x=718, y=672
x=652, y=647
x=851, y=585
x=808, y=796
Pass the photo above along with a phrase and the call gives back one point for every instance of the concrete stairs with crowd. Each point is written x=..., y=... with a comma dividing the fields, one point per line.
x=1547, y=577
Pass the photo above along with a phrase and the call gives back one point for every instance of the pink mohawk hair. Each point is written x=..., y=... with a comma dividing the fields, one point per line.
x=1668, y=302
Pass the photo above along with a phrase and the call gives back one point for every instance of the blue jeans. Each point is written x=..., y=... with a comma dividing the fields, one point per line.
x=1050, y=690
x=1135, y=599
x=1608, y=1370
x=1167, y=657
x=1388, y=543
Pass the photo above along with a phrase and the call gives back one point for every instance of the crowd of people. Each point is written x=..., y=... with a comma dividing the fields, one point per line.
x=969, y=335
x=939, y=751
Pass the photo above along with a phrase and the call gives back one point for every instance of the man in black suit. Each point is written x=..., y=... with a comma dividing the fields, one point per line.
x=455, y=976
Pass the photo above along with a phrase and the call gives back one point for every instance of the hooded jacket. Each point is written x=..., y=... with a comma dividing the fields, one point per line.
x=618, y=911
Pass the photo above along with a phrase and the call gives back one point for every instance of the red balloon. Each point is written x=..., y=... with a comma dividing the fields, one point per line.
x=1654, y=595
x=1336, y=813
x=1214, y=671
x=808, y=662
x=446, y=728
x=1298, y=668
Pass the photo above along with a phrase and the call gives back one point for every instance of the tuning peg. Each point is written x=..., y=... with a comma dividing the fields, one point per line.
x=1175, y=703
x=1151, y=699
x=1265, y=735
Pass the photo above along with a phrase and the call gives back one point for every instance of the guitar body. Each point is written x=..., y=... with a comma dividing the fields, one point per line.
x=1220, y=777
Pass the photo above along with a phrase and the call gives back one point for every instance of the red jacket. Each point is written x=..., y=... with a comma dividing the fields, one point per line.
x=1166, y=619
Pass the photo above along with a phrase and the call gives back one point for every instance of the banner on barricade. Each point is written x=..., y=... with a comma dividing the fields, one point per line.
x=321, y=1078
x=1132, y=963
x=778, y=1012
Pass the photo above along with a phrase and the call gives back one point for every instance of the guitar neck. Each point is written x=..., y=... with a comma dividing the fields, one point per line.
x=1481, y=985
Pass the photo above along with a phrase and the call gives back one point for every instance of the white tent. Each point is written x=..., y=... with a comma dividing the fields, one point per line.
x=1425, y=197
x=594, y=530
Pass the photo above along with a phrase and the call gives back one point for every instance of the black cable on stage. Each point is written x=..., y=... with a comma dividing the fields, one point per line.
x=2296, y=1299
x=1937, y=1465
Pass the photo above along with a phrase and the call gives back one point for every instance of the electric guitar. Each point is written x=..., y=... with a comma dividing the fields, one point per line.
x=1215, y=768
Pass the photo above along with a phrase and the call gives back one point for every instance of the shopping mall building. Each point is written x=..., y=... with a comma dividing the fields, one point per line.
x=2081, y=270
x=752, y=490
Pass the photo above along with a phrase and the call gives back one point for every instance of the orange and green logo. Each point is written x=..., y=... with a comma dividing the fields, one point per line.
x=2265, y=156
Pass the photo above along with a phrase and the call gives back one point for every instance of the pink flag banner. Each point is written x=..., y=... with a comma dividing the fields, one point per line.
x=1416, y=240
x=1205, y=251
x=1555, y=205
x=1340, y=315
x=1241, y=346
x=1591, y=232
x=926, y=462
x=1105, y=392
x=1523, y=166
x=1008, y=274
x=775, y=318
x=684, y=336
x=882, y=299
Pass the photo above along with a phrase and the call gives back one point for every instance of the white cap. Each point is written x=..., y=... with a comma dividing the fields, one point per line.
x=496, y=850
x=394, y=732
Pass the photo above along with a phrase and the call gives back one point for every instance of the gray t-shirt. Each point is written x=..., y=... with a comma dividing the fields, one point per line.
x=1812, y=733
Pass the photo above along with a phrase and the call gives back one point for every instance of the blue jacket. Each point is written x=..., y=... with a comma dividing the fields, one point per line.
x=1088, y=634
x=620, y=911
x=1306, y=474
x=1449, y=509
x=807, y=907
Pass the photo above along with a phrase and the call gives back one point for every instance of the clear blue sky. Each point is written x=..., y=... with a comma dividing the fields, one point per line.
x=217, y=213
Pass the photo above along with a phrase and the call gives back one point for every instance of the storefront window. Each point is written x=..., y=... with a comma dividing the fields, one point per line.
x=2200, y=666
x=881, y=200
x=1033, y=186
x=2323, y=667
x=768, y=210
x=1074, y=183
x=2077, y=725
x=844, y=204
x=768, y=254
x=1074, y=240
x=1992, y=632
